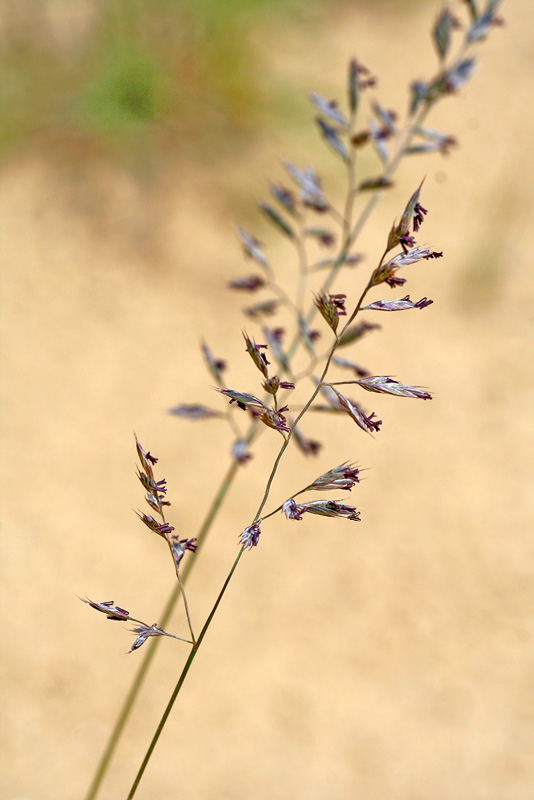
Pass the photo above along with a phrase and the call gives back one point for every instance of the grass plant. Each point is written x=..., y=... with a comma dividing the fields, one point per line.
x=305, y=360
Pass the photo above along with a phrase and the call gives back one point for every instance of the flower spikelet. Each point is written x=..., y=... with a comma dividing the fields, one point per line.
x=143, y=633
x=254, y=351
x=366, y=423
x=108, y=608
x=331, y=508
x=251, y=247
x=398, y=305
x=342, y=477
x=385, y=385
x=250, y=536
x=331, y=307
x=292, y=510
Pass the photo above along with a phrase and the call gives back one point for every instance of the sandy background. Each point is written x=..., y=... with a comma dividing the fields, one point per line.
x=390, y=660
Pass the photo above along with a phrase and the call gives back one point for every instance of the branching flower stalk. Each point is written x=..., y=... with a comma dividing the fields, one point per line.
x=294, y=218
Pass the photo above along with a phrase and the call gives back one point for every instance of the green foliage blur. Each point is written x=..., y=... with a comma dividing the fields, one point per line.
x=112, y=76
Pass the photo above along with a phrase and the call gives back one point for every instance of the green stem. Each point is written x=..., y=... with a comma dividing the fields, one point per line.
x=181, y=679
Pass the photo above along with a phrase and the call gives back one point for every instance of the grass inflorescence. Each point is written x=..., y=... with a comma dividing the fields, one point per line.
x=307, y=337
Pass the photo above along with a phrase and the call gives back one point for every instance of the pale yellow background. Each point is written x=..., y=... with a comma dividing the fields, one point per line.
x=390, y=660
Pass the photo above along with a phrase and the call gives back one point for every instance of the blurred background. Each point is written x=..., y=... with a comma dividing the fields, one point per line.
x=390, y=660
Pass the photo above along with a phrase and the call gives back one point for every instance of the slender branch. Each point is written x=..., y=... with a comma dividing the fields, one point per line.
x=181, y=679
x=186, y=606
x=280, y=507
x=180, y=583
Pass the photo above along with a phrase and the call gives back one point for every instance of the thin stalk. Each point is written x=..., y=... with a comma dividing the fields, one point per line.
x=180, y=584
x=186, y=606
x=181, y=679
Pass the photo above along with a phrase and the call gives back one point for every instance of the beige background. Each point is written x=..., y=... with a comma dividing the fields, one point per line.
x=390, y=660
